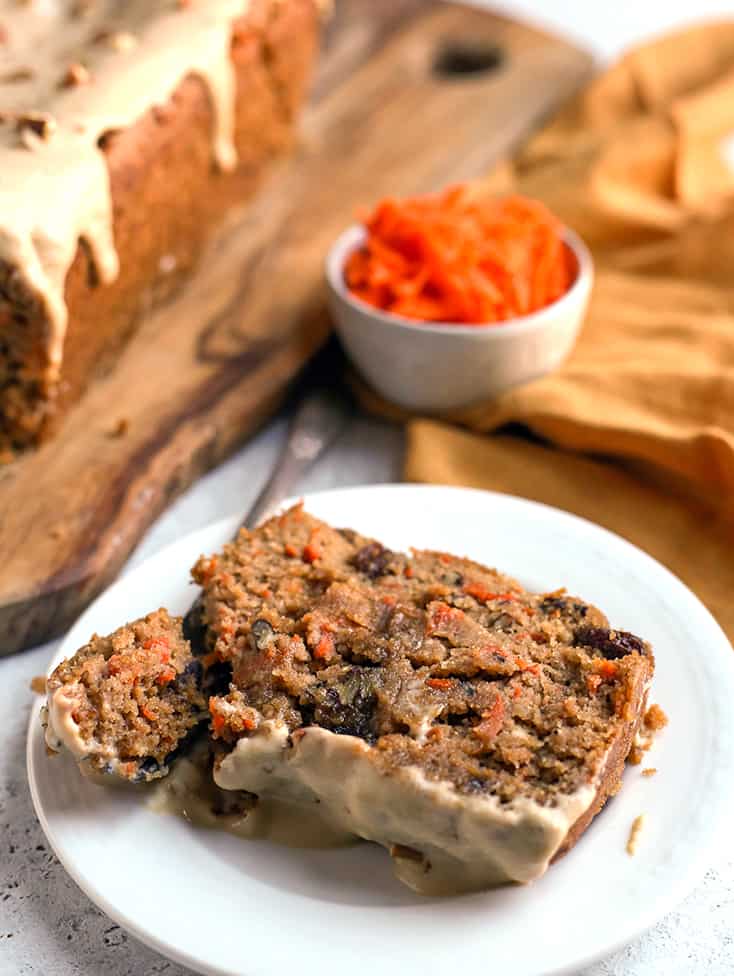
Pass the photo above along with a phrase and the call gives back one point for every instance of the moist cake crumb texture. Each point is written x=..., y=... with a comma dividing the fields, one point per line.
x=124, y=703
x=634, y=835
x=434, y=661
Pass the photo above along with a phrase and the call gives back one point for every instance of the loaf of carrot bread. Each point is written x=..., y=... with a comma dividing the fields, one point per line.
x=126, y=131
x=421, y=701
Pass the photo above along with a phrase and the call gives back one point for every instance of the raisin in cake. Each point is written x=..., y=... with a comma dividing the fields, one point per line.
x=421, y=701
x=127, y=130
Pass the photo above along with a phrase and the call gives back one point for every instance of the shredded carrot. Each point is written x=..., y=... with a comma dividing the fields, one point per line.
x=311, y=553
x=480, y=592
x=325, y=648
x=218, y=720
x=492, y=721
x=491, y=651
x=207, y=568
x=441, y=615
x=157, y=642
x=440, y=684
x=165, y=676
x=458, y=256
x=529, y=666
x=607, y=669
x=218, y=723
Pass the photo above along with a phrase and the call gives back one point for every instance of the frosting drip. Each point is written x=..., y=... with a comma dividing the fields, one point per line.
x=71, y=71
x=441, y=841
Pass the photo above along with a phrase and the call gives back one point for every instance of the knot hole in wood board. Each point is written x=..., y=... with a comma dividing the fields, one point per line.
x=458, y=59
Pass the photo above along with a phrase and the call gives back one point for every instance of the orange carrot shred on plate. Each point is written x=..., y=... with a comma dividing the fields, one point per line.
x=461, y=257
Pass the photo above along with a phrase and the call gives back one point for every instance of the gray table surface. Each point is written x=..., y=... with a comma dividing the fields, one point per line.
x=47, y=926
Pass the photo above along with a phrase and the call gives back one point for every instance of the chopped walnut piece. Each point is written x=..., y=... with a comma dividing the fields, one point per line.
x=76, y=74
x=40, y=124
x=634, y=834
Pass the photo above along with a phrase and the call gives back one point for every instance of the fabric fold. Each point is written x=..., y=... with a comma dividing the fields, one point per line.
x=637, y=165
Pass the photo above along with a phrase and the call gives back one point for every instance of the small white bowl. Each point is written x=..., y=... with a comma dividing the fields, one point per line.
x=432, y=367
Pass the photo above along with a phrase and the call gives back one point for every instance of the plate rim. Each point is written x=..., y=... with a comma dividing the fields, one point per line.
x=697, y=865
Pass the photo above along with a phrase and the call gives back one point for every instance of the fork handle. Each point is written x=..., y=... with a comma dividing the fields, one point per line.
x=319, y=419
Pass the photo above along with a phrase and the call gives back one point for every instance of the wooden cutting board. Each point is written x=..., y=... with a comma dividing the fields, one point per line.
x=411, y=95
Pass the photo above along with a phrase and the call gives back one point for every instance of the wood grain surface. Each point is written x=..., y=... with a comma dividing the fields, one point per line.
x=411, y=95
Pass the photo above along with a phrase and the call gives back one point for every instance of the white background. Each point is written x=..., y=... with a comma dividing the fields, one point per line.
x=607, y=26
x=48, y=927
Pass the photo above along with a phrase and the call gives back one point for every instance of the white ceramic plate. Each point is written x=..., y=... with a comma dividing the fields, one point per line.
x=223, y=905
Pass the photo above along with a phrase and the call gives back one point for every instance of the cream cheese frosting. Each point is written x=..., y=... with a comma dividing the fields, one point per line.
x=61, y=729
x=189, y=791
x=71, y=71
x=441, y=841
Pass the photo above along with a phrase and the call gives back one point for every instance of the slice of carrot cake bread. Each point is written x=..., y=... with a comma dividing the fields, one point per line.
x=421, y=701
x=123, y=705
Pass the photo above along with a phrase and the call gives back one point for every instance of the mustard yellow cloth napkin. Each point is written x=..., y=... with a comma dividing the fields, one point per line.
x=639, y=421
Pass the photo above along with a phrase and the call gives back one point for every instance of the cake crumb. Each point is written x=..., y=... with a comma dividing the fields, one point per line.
x=653, y=721
x=637, y=753
x=634, y=834
x=38, y=684
x=650, y=771
x=655, y=718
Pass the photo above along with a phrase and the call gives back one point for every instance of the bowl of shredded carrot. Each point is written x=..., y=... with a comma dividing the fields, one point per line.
x=444, y=300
